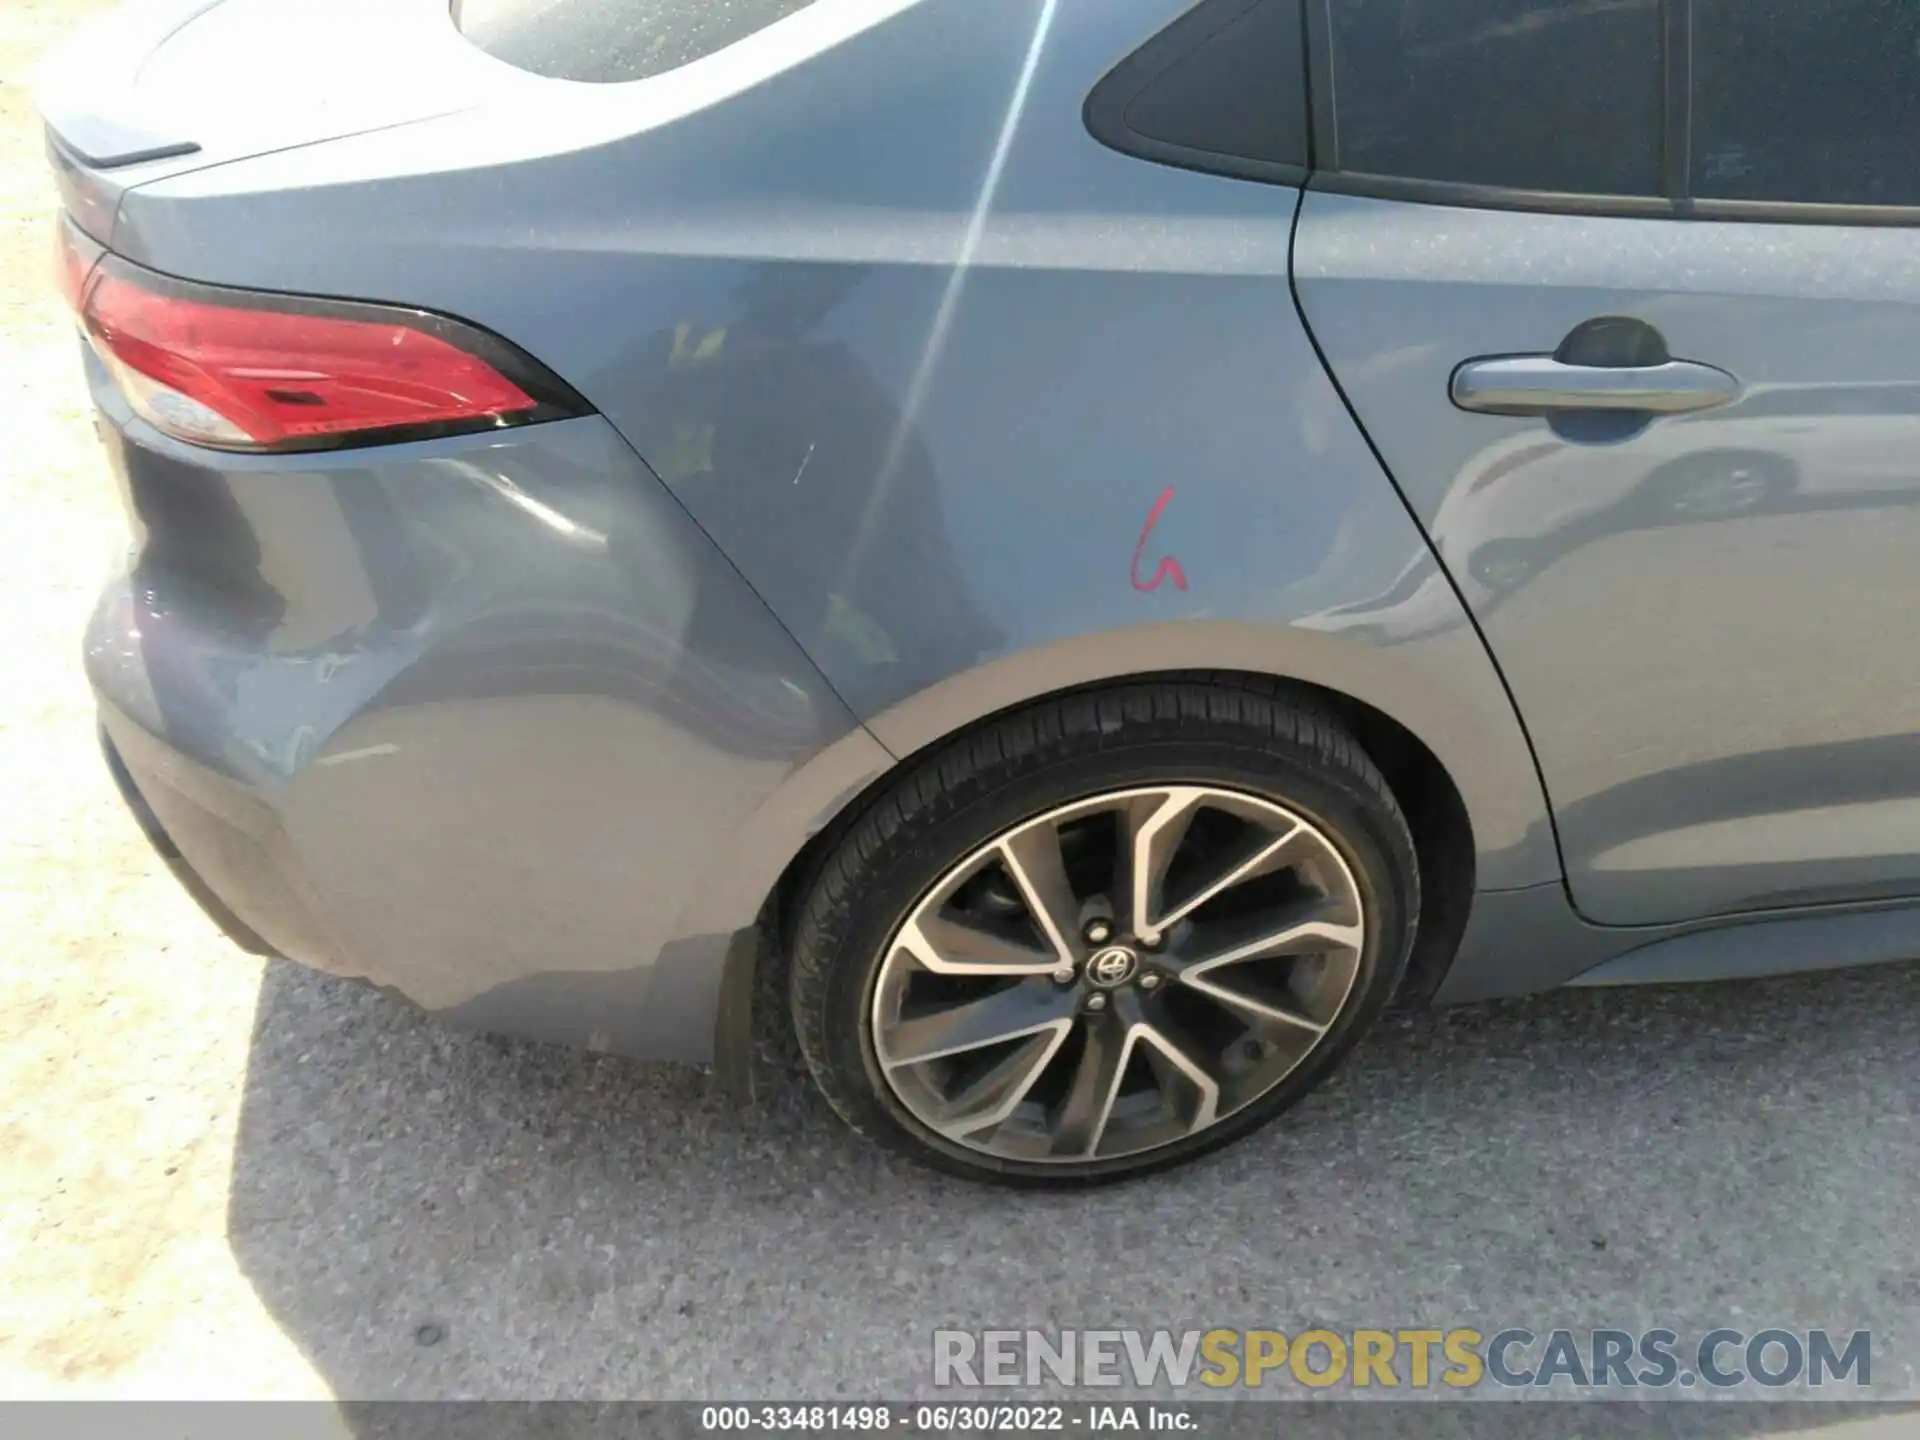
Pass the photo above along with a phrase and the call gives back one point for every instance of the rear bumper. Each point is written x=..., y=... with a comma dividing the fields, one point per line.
x=203, y=895
x=482, y=721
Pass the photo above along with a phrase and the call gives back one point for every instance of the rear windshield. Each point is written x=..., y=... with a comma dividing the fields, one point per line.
x=611, y=40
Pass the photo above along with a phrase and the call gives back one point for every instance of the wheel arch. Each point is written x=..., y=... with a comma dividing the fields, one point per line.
x=1438, y=812
x=1427, y=794
x=1429, y=711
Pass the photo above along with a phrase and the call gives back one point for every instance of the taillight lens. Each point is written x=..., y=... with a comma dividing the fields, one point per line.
x=69, y=265
x=246, y=370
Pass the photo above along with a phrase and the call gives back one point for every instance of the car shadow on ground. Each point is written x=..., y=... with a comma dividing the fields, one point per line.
x=430, y=1214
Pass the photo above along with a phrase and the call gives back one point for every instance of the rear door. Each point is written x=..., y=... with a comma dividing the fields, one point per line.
x=1627, y=295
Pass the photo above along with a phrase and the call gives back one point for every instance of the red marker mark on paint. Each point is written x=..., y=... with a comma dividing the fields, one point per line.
x=1168, y=568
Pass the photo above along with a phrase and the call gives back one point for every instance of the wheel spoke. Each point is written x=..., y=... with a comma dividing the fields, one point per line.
x=987, y=1025
x=1033, y=859
x=1096, y=1085
x=948, y=947
x=1152, y=829
x=1169, y=1049
x=1008, y=1014
x=1300, y=930
x=1271, y=856
x=1263, y=1017
x=993, y=1097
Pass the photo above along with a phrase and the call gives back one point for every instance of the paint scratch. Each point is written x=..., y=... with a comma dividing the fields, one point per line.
x=1168, y=568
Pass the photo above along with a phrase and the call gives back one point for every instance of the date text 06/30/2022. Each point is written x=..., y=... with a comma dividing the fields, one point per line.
x=944, y=1419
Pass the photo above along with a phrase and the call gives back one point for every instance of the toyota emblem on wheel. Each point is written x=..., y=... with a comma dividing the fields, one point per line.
x=1111, y=967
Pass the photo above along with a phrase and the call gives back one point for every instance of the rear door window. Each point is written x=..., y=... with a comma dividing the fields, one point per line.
x=1559, y=95
x=1814, y=101
x=612, y=40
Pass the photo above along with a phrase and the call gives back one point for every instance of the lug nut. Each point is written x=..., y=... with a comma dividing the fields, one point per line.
x=1149, y=981
x=1096, y=1002
x=1063, y=975
x=1152, y=942
x=1098, y=932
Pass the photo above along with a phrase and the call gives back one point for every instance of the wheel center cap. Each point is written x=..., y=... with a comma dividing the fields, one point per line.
x=1112, y=967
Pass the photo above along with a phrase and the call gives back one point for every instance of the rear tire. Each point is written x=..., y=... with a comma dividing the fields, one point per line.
x=930, y=987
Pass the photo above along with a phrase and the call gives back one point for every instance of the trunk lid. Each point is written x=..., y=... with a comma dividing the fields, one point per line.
x=161, y=87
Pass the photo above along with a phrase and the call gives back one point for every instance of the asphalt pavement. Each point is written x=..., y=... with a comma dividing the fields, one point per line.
x=435, y=1215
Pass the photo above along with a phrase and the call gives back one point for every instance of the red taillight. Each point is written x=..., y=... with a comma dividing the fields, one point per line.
x=239, y=370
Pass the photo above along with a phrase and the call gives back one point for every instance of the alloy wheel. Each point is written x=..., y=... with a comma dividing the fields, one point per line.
x=1118, y=974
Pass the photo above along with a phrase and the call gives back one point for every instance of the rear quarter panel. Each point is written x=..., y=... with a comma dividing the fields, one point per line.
x=981, y=408
x=476, y=719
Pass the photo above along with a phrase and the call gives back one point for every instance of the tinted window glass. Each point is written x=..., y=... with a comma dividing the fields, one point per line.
x=1811, y=100
x=1223, y=89
x=1533, y=94
x=1239, y=93
x=612, y=39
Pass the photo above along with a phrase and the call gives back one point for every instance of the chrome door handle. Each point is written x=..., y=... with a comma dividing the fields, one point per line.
x=1542, y=385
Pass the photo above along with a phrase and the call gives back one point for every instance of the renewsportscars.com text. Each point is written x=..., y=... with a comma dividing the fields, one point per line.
x=1405, y=1359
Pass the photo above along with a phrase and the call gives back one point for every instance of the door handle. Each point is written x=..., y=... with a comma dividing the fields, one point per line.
x=1543, y=385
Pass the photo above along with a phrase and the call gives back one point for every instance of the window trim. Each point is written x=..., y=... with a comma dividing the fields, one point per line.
x=1323, y=113
x=1105, y=110
x=1677, y=203
x=1676, y=134
x=1627, y=207
x=1468, y=195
